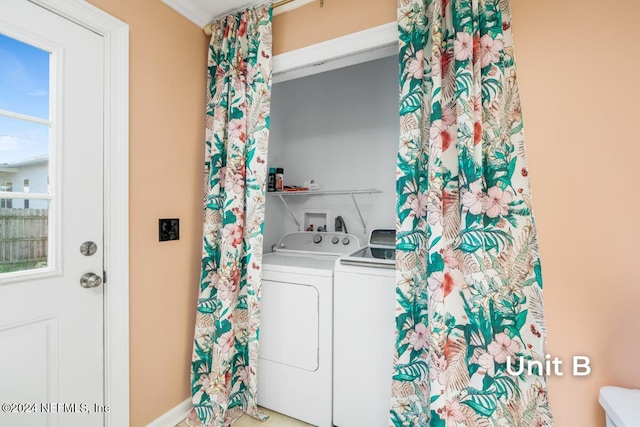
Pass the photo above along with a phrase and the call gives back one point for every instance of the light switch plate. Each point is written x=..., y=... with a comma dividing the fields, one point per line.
x=169, y=229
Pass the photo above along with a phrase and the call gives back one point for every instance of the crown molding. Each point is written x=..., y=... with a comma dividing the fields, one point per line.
x=190, y=10
x=194, y=11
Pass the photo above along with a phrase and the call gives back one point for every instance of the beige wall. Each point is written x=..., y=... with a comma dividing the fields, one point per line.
x=167, y=72
x=577, y=66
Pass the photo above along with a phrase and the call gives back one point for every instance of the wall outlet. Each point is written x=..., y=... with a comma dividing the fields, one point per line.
x=169, y=229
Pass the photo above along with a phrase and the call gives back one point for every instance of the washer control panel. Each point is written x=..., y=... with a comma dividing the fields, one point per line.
x=326, y=242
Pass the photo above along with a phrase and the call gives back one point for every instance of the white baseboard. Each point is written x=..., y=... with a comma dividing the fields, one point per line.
x=174, y=416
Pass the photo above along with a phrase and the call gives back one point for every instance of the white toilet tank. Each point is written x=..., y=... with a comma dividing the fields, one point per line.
x=622, y=406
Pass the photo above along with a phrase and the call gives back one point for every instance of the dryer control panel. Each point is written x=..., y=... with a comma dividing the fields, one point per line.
x=332, y=243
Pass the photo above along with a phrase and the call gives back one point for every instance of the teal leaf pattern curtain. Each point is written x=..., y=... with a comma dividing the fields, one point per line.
x=469, y=288
x=225, y=352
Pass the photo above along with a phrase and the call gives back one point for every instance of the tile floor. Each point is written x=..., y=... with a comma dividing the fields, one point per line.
x=275, y=420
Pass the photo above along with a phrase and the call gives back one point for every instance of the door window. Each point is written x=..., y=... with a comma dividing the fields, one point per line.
x=26, y=144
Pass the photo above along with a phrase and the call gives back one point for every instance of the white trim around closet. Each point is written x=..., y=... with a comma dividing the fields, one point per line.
x=367, y=45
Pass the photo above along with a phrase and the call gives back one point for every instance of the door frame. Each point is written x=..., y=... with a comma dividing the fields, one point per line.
x=116, y=198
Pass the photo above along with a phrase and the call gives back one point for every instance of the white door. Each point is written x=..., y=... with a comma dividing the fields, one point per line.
x=51, y=202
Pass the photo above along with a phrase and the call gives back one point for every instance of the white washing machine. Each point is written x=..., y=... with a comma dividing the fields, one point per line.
x=295, y=353
x=364, y=333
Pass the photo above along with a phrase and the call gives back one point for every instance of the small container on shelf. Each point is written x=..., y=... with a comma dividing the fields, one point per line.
x=271, y=186
x=279, y=179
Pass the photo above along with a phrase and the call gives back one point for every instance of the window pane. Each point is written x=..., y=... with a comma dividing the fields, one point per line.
x=24, y=235
x=24, y=78
x=24, y=156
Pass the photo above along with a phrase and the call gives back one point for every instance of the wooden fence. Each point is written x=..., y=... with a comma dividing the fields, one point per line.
x=23, y=235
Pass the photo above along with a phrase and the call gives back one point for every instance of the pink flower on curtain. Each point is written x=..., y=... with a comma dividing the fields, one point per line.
x=238, y=129
x=251, y=73
x=487, y=363
x=452, y=412
x=226, y=341
x=439, y=134
x=419, y=205
x=502, y=347
x=226, y=288
x=232, y=234
x=219, y=115
x=206, y=383
x=440, y=284
x=435, y=282
x=450, y=258
x=472, y=199
x=418, y=337
x=237, y=183
x=497, y=202
x=212, y=276
x=448, y=115
x=489, y=50
x=463, y=46
x=416, y=66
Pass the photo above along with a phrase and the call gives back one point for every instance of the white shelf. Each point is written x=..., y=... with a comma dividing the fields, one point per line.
x=326, y=192
x=349, y=192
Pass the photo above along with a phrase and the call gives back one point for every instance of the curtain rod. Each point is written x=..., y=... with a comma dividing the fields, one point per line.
x=207, y=28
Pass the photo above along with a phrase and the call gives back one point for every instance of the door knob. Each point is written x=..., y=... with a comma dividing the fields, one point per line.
x=90, y=280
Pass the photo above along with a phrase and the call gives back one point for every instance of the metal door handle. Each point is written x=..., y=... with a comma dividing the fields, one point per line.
x=90, y=280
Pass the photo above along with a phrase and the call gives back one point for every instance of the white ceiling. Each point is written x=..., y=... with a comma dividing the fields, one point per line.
x=202, y=12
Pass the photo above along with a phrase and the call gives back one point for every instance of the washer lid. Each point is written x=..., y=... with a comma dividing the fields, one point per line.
x=622, y=405
x=300, y=263
x=372, y=256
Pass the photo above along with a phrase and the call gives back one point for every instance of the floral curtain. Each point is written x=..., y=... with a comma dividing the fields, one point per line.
x=225, y=352
x=469, y=288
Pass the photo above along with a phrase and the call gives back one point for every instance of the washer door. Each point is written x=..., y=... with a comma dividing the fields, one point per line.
x=289, y=324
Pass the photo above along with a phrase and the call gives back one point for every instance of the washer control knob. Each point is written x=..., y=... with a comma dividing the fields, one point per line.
x=346, y=241
x=317, y=238
x=335, y=240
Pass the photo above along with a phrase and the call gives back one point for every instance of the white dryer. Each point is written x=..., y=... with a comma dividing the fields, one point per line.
x=364, y=333
x=296, y=348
